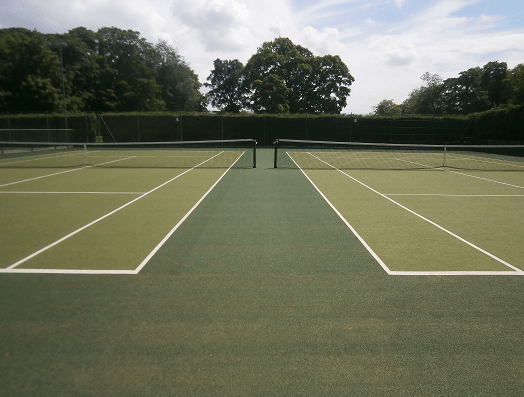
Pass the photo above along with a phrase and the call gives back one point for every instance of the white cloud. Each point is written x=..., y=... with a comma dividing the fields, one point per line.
x=221, y=24
x=231, y=25
x=394, y=51
x=399, y=3
x=326, y=41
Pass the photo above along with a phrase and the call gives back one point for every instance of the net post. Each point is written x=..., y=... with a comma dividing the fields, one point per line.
x=275, y=158
x=444, y=164
x=254, y=153
x=85, y=154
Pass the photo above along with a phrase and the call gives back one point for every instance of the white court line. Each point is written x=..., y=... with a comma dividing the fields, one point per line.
x=101, y=218
x=454, y=195
x=516, y=270
x=134, y=193
x=34, y=158
x=507, y=163
x=489, y=180
x=66, y=271
x=63, y=172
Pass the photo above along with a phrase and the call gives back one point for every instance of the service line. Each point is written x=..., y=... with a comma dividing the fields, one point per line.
x=63, y=172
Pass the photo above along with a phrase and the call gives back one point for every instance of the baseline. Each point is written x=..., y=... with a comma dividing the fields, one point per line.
x=20, y=192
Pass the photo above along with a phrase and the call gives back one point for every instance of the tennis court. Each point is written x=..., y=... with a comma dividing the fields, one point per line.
x=280, y=281
x=457, y=222
x=102, y=209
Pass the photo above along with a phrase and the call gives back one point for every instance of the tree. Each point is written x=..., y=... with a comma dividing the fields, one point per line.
x=514, y=83
x=331, y=86
x=312, y=84
x=431, y=80
x=228, y=91
x=425, y=99
x=133, y=58
x=82, y=67
x=464, y=94
x=387, y=108
x=111, y=69
x=270, y=94
x=29, y=73
x=492, y=81
x=180, y=85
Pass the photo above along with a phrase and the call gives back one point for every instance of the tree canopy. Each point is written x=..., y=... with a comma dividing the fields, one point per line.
x=228, y=91
x=111, y=69
x=281, y=77
x=475, y=90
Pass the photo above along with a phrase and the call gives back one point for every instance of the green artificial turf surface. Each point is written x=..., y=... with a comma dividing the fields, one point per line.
x=262, y=291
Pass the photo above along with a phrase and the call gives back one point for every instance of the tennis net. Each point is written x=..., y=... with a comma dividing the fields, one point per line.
x=350, y=155
x=239, y=153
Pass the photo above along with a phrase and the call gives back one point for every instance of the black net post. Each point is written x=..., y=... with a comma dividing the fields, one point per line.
x=276, y=151
x=254, y=153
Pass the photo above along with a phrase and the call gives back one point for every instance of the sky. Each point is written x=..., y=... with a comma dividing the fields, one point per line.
x=386, y=44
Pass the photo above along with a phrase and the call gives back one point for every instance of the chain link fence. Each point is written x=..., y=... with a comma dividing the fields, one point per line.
x=185, y=126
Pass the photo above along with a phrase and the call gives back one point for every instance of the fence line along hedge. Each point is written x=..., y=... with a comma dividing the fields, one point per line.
x=152, y=127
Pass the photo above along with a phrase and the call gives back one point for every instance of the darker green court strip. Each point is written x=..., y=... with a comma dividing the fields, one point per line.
x=263, y=220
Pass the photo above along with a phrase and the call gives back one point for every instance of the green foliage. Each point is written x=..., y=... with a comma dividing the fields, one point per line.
x=296, y=80
x=473, y=91
x=227, y=89
x=514, y=85
x=107, y=70
x=180, y=85
x=270, y=94
x=387, y=108
x=118, y=70
x=29, y=73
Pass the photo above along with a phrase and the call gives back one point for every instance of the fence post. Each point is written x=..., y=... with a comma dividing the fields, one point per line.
x=98, y=128
x=181, y=128
x=306, y=128
x=138, y=127
x=264, y=126
x=87, y=127
x=433, y=130
x=8, y=127
x=521, y=127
